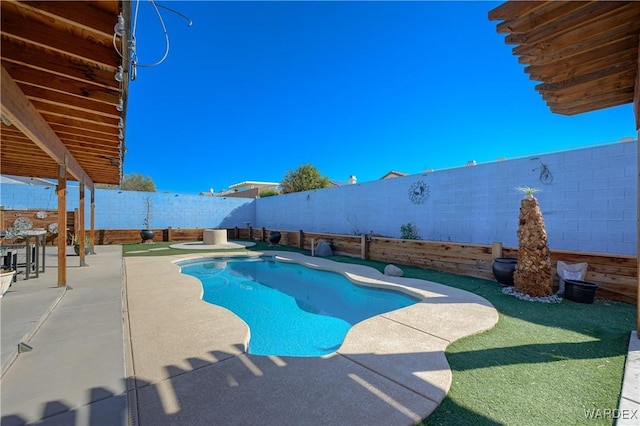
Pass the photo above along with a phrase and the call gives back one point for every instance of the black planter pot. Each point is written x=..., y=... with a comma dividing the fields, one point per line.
x=580, y=291
x=76, y=249
x=503, y=269
x=274, y=237
x=147, y=234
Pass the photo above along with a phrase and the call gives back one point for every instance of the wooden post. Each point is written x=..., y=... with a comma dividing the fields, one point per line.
x=263, y=234
x=92, y=220
x=250, y=233
x=81, y=234
x=364, y=246
x=169, y=236
x=300, y=239
x=76, y=225
x=237, y=233
x=62, y=225
x=496, y=250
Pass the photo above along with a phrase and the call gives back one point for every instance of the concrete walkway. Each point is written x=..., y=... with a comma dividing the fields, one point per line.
x=165, y=357
x=75, y=373
x=629, y=408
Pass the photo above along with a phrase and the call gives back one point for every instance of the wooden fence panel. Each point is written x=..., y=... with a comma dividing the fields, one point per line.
x=616, y=275
x=182, y=234
x=41, y=219
x=117, y=236
x=349, y=245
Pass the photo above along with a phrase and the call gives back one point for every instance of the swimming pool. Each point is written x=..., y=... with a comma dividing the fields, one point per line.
x=290, y=309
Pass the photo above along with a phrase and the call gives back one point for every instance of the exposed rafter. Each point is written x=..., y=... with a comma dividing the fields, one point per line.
x=584, y=52
x=61, y=58
x=17, y=108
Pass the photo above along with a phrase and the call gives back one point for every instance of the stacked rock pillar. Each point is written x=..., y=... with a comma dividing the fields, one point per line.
x=533, y=271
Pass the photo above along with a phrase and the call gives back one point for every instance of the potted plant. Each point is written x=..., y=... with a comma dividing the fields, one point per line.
x=532, y=274
x=503, y=269
x=75, y=242
x=147, y=233
x=7, y=274
x=6, y=278
x=274, y=238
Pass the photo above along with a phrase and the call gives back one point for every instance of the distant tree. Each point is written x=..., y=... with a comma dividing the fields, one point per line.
x=137, y=182
x=269, y=193
x=305, y=178
x=105, y=186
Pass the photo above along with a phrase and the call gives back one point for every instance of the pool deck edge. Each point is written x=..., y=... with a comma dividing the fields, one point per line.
x=395, y=361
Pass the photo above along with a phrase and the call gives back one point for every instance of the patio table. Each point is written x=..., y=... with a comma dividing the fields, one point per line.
x=33, y=240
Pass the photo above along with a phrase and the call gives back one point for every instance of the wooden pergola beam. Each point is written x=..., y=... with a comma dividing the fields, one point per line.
x=22, y=114
x=576, y=17
x=623, y=51
x=514, y=10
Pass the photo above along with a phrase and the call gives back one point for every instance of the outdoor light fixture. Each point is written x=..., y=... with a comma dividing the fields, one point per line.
x=119, y=74
x=5, y=120
x=120, y=105
x=120, y=30
x=119, y=27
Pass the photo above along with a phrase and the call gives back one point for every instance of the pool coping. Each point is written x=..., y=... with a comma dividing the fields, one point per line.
x=184, y=350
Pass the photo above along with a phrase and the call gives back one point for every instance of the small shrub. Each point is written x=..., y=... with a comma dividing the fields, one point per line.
x=269, y=193
x=409, y=231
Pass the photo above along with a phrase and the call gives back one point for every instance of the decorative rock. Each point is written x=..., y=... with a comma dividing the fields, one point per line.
x=323, y=249
x=393, y=271
x=554, y=298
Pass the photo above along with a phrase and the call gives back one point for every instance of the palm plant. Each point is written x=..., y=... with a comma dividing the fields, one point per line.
x=533, y=272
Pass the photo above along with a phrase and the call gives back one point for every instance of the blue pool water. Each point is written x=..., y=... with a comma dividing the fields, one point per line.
x=291, y=310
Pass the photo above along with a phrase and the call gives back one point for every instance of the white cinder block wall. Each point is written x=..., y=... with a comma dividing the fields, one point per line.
x=588, y=202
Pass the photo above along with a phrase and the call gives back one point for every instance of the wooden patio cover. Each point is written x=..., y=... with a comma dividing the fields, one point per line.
x=63, y=111
x=585, y=54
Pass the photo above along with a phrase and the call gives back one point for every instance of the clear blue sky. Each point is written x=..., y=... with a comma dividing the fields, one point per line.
x=254, y=89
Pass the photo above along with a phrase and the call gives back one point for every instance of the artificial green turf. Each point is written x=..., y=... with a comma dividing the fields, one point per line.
x=152, y=249
x=542, y=364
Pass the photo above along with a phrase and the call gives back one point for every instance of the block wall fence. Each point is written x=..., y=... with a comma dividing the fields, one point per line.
x=588, y=201
x=116, y=209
